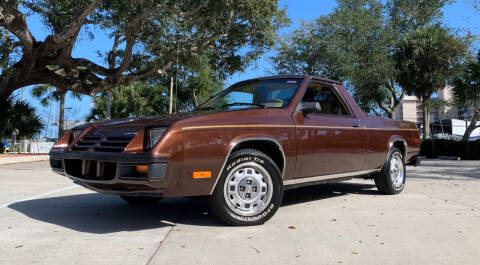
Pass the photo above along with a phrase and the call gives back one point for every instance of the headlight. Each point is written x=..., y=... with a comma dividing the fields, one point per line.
x=154, y=134
x=75, y=134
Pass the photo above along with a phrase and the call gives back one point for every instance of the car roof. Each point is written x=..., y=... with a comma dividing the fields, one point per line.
x=293, y=76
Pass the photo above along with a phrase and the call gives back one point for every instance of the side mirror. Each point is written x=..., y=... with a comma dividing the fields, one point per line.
x=309, y=107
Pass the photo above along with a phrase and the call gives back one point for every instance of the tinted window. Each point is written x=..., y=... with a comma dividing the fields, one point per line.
x=328, y=99
x=270, y=93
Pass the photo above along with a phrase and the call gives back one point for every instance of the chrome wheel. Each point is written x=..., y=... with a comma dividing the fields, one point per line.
x=248, y=189
x=397, y=170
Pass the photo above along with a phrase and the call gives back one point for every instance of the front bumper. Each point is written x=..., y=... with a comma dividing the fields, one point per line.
x=112, y=173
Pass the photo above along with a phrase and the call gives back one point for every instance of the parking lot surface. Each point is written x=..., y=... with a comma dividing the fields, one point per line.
x=45, y=219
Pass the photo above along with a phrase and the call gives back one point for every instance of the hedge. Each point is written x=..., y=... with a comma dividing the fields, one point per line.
x=432, y=148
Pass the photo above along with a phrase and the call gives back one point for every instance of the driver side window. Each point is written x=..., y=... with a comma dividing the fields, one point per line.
x=329, y=101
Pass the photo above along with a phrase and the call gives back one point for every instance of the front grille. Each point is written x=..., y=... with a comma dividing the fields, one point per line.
x=86, y=143
x=91, y=169
x=73, y=167
x=112, y=142
x=123, y=187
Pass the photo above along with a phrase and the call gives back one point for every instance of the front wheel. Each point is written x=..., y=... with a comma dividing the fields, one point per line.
x=391, y=179
x=249, y=190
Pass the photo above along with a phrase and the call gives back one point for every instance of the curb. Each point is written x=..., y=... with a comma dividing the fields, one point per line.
x=22, y=159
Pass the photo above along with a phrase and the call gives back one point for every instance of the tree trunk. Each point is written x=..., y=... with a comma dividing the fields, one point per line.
x=426, y=118
x=472, y=126
x=61, y=118
x=387, y=110
x=390, y=114
x=195, y=98
x=109, y=105
x=393, y=113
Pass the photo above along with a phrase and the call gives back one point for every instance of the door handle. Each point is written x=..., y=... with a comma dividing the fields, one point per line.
x=356, y=125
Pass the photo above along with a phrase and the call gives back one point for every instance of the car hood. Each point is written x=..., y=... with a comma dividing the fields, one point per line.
x=135, y=124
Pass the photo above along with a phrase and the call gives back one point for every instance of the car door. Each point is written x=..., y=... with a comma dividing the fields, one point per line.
x=329, y=140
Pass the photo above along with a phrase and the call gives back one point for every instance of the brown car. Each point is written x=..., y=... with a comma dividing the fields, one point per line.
x=242, y=148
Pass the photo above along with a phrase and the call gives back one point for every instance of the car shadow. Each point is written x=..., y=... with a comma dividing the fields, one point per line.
x=103, y=214
x=325, y=191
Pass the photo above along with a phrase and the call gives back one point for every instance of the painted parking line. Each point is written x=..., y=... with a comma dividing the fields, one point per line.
x=39, y=195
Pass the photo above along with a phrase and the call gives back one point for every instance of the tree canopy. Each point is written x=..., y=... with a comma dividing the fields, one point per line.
x=133, y=100
x=476, y=4
x=148, y=37
x=47, y=93
x=466, y=90
x=308, y=50
x=356, y=44
x=192, y=85
x=426, y=59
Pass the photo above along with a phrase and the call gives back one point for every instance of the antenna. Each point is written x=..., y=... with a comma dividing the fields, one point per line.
x=176, y=84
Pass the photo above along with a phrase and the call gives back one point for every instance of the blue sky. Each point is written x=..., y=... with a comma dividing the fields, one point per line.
x=459, y=15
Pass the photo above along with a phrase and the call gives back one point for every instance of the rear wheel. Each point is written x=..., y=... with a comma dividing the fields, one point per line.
x=249, y=190
x=141, y=199
x=391, y=179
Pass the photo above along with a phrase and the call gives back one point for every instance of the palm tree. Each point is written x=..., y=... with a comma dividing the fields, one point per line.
x=48, y=93
x=466, y=91
x=18, y=115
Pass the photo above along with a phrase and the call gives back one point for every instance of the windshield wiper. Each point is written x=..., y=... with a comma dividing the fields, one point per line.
x=204, y=108
x=243, y=104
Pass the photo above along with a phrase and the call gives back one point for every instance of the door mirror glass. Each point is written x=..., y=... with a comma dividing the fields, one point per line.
x=309, y=107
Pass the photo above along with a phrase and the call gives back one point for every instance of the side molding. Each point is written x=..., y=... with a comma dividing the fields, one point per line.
x=235, y=144
x=328, y=177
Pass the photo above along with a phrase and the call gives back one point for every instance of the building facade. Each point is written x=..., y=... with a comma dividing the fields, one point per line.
x=411, y=109
x=445, y=117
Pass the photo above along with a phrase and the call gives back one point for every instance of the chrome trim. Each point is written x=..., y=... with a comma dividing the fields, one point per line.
x=348, y=128
x=289, y=126
x=238, y=126
x=326, y=177
x=246, y=140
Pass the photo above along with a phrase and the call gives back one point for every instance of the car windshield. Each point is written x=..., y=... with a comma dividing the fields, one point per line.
x=267, y=93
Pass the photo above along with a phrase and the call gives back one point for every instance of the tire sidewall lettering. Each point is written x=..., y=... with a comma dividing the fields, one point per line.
x=255, y=218
x=245, y=159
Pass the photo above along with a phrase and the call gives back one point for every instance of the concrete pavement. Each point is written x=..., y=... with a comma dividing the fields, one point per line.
x=436, y=220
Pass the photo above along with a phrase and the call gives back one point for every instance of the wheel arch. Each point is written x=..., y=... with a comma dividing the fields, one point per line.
x=269, y=146
x=400, y=143
x=262, y=144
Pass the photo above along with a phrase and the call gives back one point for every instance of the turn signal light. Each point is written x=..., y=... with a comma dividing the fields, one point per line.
x=202, y=174
x=141, y=169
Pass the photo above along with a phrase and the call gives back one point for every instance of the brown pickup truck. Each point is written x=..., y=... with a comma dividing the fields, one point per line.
x=242, y=148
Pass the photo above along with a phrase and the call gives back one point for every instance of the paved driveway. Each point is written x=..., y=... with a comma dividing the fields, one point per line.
x=45, y=219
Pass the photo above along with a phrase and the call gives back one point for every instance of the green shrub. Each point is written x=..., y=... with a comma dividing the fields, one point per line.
x=432, y=148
